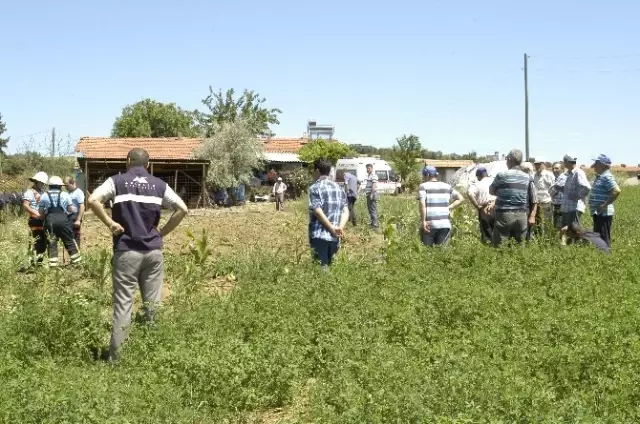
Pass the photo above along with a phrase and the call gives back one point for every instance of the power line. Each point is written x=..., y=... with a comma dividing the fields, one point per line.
x=619, y=56
x=586, y=71
x=29, y=135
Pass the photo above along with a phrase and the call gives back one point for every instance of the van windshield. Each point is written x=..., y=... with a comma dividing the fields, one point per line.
x=383, y=176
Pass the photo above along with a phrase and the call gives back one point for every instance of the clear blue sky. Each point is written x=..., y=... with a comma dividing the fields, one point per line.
x=448, y=71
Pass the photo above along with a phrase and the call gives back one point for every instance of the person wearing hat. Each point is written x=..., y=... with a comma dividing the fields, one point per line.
x=543, y=179
x=516, y=201
x=31, y=205
x=576, y=232
x=279, y=189
x=434, y=198
x=556, y=191
x=480, y=198
x=576, y=190
x=604, y=192
x=77, y=197
x=55, y=207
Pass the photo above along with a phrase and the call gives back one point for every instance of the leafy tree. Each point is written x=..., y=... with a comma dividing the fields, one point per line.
x=405, y=153
x=248, y=107
x=234, y=152
x=149, y=118
x=3, y=141
x=320, y=148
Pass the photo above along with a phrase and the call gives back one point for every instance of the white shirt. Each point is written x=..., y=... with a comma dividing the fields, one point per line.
x=372, y=179
x=480, y=191
x=543, y=182
x=279, y=187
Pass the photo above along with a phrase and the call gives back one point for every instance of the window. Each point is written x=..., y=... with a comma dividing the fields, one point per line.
x=383, y=176
x=392, y=176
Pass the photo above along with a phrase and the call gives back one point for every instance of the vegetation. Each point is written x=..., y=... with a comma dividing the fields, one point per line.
x=405, y=153
x=386, y=152
x=394, y=333
x=234, y=152
x=149, y=118
x=3, y=141
x=319, y=148
x=248, y=108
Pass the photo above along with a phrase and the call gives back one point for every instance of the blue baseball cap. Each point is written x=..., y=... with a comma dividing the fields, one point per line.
x=429, y=170
x=603, y=159
x=481, y=170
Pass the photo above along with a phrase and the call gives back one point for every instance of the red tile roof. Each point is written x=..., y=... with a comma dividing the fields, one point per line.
x=284, y=144
x=117, y=148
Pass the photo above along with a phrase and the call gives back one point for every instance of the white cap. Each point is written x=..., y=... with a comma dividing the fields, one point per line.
x=55, y=181
x=40, y=177
x=279, y=178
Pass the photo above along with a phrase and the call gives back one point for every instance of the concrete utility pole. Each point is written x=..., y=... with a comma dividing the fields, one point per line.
x=53, y=142
x=526, y=107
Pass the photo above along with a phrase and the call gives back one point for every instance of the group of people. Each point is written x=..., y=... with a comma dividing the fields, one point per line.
x=53, y=215
x=522, y=203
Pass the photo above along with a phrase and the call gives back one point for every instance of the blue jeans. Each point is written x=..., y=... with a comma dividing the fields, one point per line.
x=323, y=250
x=436, y=237
x=372, y=205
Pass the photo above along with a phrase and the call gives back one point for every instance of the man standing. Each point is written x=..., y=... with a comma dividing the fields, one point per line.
x=31, y=205
x=516, y=201
x=55, y=207
x=556, y=191
x=279, y=189
x=328, y=214
x=371, y=191
x=137, y=242
x=605, y=191
x=576, y=189
x=77, y=197
x=351, y=184
x=434, y=198
x=543, y=180
x=480, y=198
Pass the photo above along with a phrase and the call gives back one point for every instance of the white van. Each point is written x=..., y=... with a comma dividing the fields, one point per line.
x=358, y=167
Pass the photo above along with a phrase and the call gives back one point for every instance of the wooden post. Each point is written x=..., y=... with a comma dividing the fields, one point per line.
x=175, y=182
x=526, y=107
x=204, y=185
x=86, y=177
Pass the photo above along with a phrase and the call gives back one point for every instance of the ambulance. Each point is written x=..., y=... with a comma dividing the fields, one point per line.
x=358, y=166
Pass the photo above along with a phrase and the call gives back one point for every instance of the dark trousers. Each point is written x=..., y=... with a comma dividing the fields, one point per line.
x=323, y=250
x=435, y=237
x=486, y=227
x=58, y=228
x=372, y=205
x=38, y=242
x=602, y=225
x=351, y=203
x=76, y=230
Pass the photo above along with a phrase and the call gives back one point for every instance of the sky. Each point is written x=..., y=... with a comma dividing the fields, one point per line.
x=450, y=72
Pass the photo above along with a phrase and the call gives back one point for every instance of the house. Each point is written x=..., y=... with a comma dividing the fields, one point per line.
x=170, y=159
x=447, y=168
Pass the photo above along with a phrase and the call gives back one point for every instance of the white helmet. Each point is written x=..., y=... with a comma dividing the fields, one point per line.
x=54, y=180
x=40, y=177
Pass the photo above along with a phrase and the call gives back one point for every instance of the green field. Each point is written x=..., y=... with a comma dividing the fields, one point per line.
x=393, y=333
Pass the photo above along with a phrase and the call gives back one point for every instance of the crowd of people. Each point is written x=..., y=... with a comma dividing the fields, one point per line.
x=524, y=202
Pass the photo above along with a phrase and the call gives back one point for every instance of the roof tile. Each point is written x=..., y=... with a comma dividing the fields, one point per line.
x=117, y=148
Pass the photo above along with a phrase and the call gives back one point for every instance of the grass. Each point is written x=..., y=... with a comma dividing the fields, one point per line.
x=255, y=332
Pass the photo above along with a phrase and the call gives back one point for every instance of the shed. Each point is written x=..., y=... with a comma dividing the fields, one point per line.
x=170, y=159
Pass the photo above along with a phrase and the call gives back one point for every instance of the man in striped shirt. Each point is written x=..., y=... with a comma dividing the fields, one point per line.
x=434, y=198
x=576, y=189
x=516, y=201
x=556, y=191
x=605, y=191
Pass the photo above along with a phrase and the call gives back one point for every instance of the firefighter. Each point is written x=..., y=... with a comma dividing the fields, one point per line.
x=31, y=205
x=55, y=206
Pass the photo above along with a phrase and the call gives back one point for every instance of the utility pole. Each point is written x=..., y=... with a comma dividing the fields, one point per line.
x=53, y=142
x=526, y=108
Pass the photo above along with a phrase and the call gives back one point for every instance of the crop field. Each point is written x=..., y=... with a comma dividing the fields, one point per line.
x=251, y=331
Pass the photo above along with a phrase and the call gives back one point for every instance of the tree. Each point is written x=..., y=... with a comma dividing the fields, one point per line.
x=149, y=118
x=248, y=107
x=405, y=153
x=320, y=148
x=234, y=152
x=3, y=141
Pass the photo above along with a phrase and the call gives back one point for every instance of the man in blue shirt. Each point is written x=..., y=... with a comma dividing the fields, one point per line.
x=138, y=198
x=351, y=184
x=77, y=197
x=604, y=192
x=328, y=214
x=55, y=206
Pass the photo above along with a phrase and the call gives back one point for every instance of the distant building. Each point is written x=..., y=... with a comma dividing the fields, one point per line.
x=447, y=168
x=315, y=131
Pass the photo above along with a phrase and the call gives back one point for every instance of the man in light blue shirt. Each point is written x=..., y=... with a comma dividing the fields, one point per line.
x=77, y=197
x=351, y=184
